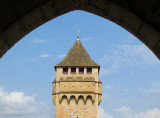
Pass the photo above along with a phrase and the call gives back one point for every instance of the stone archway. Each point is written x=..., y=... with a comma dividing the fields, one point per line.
x=141, y=18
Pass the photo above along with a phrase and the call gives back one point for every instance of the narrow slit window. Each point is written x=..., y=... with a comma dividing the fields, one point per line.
x=65, y=70
x=89, y=70
x=73, y=70
x=81, y=70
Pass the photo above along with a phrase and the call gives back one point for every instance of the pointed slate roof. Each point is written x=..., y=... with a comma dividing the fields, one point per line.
x=77, y=57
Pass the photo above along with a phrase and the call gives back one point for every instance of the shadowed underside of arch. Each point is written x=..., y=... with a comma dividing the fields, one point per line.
x=140, y=17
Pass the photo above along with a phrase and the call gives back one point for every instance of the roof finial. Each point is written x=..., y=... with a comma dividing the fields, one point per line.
x=78, y=34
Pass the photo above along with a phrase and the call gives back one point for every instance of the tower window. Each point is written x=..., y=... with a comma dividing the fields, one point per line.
x=89, y=70
x=65, y=70
x=73, y=70
x=81, y=70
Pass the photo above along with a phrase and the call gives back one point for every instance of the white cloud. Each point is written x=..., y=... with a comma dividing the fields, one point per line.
x=62, y=56
x=86, y=38
x=126, y=112
x=44, y=55
x=37, y=40
x=137, y=55
x=127, y=56
x=102, y=113
x=131, y=55
x=117, y=89
x=153, y=113
x=17, y=105
x=107, y=71
x=154, y=89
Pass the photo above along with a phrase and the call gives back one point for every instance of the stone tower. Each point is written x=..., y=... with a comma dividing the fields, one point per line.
x=77, y=88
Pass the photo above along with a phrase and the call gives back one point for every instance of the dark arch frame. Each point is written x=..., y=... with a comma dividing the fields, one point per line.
x=119, y=13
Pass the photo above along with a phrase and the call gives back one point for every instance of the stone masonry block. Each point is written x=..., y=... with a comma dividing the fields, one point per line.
x=131, y=22
x=150, y=36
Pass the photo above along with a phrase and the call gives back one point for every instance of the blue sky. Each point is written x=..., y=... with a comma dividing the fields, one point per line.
x=130, y=72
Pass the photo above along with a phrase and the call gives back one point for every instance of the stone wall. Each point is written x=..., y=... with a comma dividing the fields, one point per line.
x=76, y=94
x=73, y=108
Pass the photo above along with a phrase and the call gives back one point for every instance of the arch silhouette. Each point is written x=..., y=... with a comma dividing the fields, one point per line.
x=72, y=99
x=64, y=98
x=89, y=98
x=81, y=99
x=119, y=12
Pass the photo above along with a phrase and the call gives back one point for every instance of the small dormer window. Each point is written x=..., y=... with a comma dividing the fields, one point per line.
x=73, y=70
x=89, y=70
x=81, y=70
x=65, y=70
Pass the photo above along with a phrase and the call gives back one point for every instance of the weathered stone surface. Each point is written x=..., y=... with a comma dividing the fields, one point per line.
x=141, y=18
x=151, y=35
x=157, y=49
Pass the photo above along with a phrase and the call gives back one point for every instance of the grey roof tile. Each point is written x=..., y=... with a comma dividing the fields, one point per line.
x=78, y=57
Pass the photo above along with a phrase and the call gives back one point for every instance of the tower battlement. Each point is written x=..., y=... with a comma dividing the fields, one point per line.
x=76, y=100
